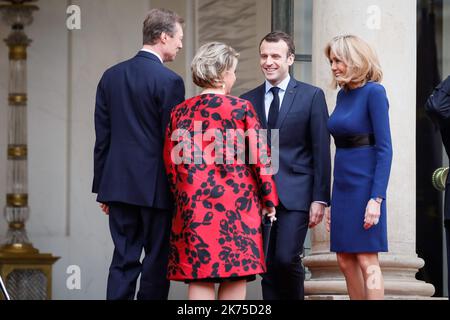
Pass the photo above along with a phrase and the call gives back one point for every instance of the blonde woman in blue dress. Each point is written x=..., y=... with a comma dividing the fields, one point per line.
x=360, y=127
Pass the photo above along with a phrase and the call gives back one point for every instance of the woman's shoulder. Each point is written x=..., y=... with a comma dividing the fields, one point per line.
x=375, y=88
x=216, y=100
x=243, y=102
x=237, y=100
x=377, y=96
x=186, y=105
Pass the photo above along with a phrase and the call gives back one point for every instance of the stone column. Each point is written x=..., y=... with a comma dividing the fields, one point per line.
x=390, y=26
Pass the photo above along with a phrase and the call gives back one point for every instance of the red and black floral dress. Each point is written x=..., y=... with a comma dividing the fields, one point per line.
x=216, y=230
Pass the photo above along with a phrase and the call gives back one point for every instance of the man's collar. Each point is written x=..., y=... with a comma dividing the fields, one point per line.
x=153, y=52
x=282, y=85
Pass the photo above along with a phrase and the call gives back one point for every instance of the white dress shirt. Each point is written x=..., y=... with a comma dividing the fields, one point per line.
x=268, y=97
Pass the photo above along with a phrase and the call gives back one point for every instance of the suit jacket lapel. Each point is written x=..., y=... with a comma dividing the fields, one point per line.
x=288, y=99
x=260, y=106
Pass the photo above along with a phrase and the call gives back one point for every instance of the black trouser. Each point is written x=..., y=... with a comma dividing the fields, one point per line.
x=285, y=273
x=133, y=229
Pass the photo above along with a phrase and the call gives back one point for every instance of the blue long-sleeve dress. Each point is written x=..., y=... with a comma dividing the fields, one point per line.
x=360, y=173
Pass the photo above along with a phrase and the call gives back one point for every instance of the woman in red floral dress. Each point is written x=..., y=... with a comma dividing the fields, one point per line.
x=219, y=194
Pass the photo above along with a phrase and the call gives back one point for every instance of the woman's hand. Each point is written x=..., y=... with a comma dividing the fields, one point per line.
x=270, y=212
x=372, y=215
x=328, y=218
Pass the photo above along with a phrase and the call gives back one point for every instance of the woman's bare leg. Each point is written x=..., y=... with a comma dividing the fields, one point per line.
x=233, y=290
x=349, y=266
x=201, y=291
x=373, y=278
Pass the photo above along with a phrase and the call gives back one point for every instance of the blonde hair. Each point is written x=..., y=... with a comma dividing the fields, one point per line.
x=359, y=57
x=210, y=62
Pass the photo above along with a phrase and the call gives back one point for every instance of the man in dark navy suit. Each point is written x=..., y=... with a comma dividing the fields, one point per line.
x=299, y=112
x=133, y=104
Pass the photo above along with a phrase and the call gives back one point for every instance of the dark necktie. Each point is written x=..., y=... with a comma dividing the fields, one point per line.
x=274, y=108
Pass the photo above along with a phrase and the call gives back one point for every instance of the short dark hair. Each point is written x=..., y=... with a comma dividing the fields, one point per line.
x=158, y=21
x=276, y=36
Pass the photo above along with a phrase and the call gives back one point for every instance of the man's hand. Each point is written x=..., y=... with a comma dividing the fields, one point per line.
x=328, y=218
x=316, y=212
x=270, y=212
x=105, y=208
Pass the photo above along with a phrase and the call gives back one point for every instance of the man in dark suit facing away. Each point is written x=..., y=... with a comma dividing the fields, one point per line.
x=299, y=112
x=438, y=109
x=133, y=104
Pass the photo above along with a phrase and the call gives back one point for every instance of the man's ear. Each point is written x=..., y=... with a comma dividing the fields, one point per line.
x=163, y=37
x=291, y=59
